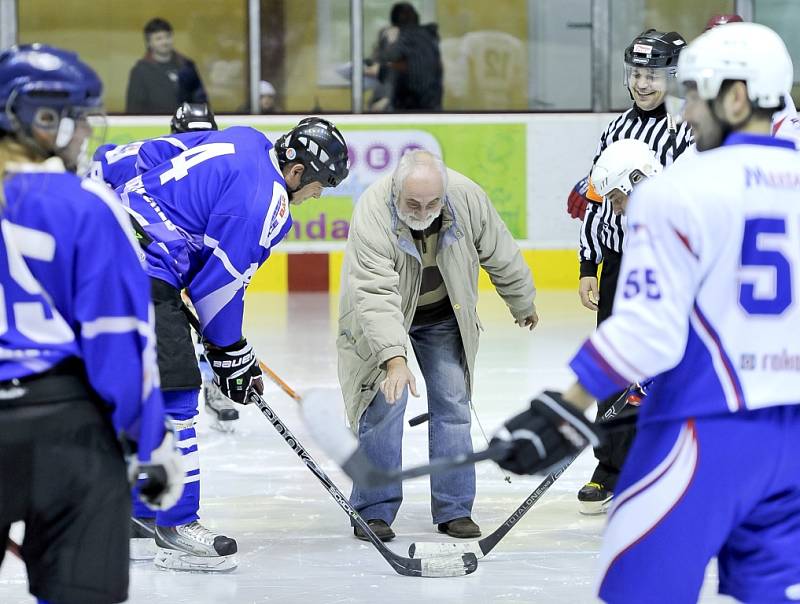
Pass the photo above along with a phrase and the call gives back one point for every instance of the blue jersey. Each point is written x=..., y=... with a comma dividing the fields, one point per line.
x=117, y=164
x=213, y=212
x=73, y=286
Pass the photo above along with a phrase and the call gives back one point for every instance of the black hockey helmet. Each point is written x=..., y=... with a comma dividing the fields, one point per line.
x=319, y=146
x=190, y=117
x=653, y=48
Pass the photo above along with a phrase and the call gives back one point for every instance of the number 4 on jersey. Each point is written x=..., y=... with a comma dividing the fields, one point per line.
x=192, y=157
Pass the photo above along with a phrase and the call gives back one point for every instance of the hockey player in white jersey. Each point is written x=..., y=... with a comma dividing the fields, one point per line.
x=707, y=303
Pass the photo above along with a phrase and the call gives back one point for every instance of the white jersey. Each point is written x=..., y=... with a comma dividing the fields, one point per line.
x=709, y=289
x=785, y=123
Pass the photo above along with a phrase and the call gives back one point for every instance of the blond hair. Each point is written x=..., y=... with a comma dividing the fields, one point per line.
x=11, y=152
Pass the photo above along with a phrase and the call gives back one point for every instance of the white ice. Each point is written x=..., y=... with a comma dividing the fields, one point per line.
x=296, y=544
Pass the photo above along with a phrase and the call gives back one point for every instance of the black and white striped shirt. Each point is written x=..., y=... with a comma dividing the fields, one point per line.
x=656, y=128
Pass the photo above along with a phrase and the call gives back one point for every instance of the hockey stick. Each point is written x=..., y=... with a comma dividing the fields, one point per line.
x=195, y=323
x=451, y=566
x=484, y=546
x=278, y=381
x=343, y=447
x=424, y=417
x=14, y=548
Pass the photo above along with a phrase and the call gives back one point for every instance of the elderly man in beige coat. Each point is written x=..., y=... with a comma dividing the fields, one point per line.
x=417, y=240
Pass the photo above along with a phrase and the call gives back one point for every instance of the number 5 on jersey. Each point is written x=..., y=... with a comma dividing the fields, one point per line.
x=642, y=280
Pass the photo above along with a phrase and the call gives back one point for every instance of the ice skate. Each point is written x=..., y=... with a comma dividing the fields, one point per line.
x=194, y=547
x=142, y=543
x=594, y=499
x=222, y=409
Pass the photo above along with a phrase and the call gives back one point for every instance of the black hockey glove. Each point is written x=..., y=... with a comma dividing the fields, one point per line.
x=546, y=435
x=235, y=370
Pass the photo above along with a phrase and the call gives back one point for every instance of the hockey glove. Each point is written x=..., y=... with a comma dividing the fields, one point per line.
x=160, y=480
x=638, y=392
x=577, y=200
x=235, y=370
x=546, y=435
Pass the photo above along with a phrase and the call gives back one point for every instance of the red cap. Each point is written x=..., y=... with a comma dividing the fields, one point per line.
x=722, y=20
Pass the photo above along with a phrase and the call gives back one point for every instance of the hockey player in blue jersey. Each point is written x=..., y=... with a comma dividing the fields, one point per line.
x=708, y=304
x=208, y=218
x=77, y=351
x=117, y=164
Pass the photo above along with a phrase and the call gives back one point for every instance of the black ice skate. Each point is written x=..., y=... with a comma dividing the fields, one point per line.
x=222, y=409
x=594, y=499
x=194, y=547
x=143, y=544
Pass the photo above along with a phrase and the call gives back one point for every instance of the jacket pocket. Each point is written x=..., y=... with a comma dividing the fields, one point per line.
x=347, y=339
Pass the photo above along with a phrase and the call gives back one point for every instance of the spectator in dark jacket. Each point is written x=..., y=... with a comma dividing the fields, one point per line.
x=163, y=78
x=410, y=61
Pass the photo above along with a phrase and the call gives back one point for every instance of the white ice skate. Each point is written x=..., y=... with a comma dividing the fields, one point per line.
x=143, y=543
x=194, y=547
x=222, y=409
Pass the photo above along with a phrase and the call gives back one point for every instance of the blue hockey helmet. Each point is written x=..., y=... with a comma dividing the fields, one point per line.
x=38, y=76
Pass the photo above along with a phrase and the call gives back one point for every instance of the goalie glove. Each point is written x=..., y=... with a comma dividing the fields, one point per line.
x=577, y=200
x=546, y=435
x=159, y=481
x=235, y=370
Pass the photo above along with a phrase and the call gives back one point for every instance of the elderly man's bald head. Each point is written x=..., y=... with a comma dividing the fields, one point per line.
x=418, y=188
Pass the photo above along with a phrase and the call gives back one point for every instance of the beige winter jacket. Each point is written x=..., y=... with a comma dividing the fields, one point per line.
x=381, y=278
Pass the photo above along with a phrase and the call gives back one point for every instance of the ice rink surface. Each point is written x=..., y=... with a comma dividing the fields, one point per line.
x=296, y=544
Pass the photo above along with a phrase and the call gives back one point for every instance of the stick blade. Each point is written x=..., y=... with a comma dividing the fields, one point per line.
x=450, y=566
x=425, y=549
x=322, y=415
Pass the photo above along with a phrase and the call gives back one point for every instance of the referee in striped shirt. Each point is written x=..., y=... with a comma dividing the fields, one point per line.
x=650, y=60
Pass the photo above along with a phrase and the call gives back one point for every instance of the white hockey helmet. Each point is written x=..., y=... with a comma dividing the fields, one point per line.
x=623, y=164
x=749, y=52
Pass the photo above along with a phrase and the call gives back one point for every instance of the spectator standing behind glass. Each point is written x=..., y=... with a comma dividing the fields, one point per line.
x=409, y=62
x=163, y=78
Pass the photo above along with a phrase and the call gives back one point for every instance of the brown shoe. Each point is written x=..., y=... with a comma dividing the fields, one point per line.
x=382, y=530
x=461, y=528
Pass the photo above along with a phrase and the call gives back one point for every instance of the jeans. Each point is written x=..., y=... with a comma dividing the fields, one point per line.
x=440, y=354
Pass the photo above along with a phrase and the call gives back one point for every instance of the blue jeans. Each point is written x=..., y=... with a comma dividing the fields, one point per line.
x=440, y=354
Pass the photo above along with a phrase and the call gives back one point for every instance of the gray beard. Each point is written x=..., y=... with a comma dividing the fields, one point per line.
x=413, y=223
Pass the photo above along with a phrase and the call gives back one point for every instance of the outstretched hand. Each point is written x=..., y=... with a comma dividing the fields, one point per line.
x=531, y=321
x=398, y=376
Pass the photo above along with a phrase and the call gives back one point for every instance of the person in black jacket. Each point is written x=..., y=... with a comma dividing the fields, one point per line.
x=410, y=62
x=163, y=78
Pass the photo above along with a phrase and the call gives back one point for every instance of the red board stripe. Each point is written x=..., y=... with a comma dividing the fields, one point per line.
x=308, y=272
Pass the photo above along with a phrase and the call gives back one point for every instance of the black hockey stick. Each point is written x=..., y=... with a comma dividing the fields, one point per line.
x=419, y=419
x=452, y=566
x=15, y=549
x=342, y=445
x=484, y=546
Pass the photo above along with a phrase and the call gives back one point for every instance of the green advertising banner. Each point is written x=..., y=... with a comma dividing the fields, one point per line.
x=493, y=155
